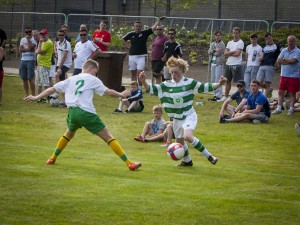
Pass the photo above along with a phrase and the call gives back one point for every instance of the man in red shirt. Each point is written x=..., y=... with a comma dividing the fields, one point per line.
x=102, y=37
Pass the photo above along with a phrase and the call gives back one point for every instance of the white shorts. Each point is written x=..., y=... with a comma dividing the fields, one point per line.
x=52, y=71
x=179, y=126
x=136, y=62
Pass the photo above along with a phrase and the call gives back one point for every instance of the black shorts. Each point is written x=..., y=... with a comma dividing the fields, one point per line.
x=234, y=72
x=64, y=70
x=157, y=66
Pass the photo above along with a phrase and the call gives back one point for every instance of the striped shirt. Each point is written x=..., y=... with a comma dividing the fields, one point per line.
x=177, y=98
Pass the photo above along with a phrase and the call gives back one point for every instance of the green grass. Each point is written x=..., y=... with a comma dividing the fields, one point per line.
x=256, y=181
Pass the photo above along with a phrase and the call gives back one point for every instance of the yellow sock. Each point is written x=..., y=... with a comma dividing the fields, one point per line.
x=116, y=147
x=61, y=144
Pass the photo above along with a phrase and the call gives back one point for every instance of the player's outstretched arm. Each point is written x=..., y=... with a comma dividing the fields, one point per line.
x=222, y=81
x=113, y=93
x=44, y=94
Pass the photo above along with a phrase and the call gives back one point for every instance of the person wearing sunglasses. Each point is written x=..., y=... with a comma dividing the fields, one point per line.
x=171, y=48
x=84, y=50
x=27, y=48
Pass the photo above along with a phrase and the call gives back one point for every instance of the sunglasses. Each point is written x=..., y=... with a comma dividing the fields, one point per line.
x=171, y=34
x=83, y=35
x=28, y=32
x=158, y=29
x=239, y=86
x=60, y=35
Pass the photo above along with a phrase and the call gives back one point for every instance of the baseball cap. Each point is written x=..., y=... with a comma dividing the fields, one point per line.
x=44, y=31
x=241, y=82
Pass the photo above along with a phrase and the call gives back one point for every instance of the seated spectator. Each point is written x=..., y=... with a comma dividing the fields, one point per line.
x=168, y=134
x=155, y=128
x=287, y=104
x=134, y=102
x=82, y=27
x=258, y=107
x=241, y=99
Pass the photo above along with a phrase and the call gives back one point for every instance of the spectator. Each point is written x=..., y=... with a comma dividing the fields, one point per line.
x=171, y=48
x=44, y=55
x=234, y=52
x=157, y=53
x=287, y=103
x=268, y=59
x=179, y=105
x=64, y=57
x=3, y=42
x=83, y=27
x=289, y=59
x=84, y=50
x=27, y=48
x=81, y=111
x=240, y=96
x=258, y=107
x=134, y=102
x=102, y=37
x=155, y=128
x=253, y=52
x=168, y=134
x=136, y=41
x=216, y=54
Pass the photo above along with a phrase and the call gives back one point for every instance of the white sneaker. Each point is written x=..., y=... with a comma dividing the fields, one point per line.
x=290, y=112
x=222, y=99
x=276, y=111
x=256, y=121
x=297, y=128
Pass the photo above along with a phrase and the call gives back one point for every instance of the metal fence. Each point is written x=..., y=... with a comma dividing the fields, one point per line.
x=284, y=24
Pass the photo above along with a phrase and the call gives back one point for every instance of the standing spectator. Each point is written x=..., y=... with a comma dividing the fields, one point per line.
x=268, y=59
x=253, y=52
x=258, y=107
x=3, y=41
x=134, y=102
x=44, y=55
x=27, y=48
x=136, y=41
x=171, y=48
x=234, y=52
x=83, y=27
x=81, y=111
x=289, y=59
x=240, y=96
x=65, y=28
x=84, y=50
x=177, y=97
x=102, y=37
x=216, y=54
x=64, y=57
x=154, y=128
x=157, y=53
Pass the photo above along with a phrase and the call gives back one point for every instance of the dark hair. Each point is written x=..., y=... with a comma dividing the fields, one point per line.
x=217, y=32
x=255, y=82
x=104, y=21
x=254, y=35
x=28, y=28
x=61, y=31
x=85, y=30
x=138, y=22
x=172, y=29
x=268, y=34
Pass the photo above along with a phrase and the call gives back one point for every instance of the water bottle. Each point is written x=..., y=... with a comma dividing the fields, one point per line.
x=199, y=103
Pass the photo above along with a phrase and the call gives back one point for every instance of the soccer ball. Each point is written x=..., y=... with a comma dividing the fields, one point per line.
x=175, y=151
x=54, y=102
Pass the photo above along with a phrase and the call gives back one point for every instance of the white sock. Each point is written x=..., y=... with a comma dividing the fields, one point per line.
x=206, y=153
x=188, y=157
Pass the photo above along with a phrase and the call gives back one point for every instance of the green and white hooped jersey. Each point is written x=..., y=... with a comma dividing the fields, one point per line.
x=177, y=98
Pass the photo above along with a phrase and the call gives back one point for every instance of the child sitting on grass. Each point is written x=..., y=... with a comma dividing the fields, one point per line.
x=155, y=128
x=134, y=102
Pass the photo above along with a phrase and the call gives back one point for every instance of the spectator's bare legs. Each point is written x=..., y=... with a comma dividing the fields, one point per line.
x=147, y=130
x=267, y=87
x=32, y=86
x=280, y=99
x=227, y=88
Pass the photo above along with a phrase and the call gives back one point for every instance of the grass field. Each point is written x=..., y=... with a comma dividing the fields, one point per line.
x=256, y=181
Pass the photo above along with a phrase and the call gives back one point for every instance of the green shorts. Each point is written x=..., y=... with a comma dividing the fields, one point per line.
x=78, y=118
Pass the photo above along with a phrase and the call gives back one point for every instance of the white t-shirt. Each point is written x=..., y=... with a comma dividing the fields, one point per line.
x=27, y=56
x=233, y=46
x=253, y=53
x=83, y=51
x=79, y=91
x=61, y=47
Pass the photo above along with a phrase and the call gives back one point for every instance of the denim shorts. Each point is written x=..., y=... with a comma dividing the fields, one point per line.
x=27, y=69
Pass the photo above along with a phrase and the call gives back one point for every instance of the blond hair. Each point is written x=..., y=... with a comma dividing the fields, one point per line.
x=157, y=108
x=90, y=63
x=178, y=62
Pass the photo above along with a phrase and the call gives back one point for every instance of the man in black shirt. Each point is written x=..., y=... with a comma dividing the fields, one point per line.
x=136, y=41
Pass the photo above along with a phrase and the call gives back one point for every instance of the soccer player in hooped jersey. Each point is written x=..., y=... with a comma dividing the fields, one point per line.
x=177, y=97
x=79, y=91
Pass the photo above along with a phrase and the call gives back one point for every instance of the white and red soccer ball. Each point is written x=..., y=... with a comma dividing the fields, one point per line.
x=175, y=151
